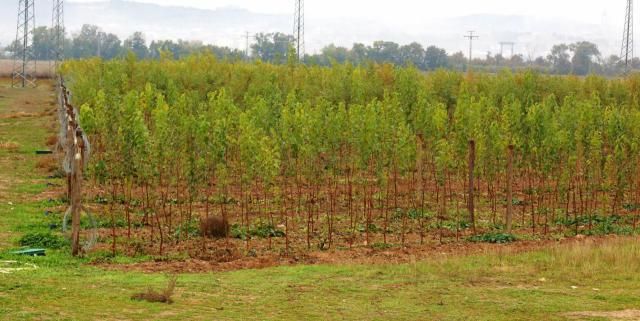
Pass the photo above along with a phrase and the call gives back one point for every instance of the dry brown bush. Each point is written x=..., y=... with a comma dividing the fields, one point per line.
x=214, y=227
x=158, y=297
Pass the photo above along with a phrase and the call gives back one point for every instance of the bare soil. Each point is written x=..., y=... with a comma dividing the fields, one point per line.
x=623, y=315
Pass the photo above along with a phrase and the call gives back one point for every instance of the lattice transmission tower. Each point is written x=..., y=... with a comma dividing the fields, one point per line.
x=57, y=33
x=298, y=28
x=24, y=63
x=626, y=55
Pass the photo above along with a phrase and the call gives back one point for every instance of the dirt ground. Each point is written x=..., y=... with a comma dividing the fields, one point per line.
x=624, y=315
x=231, y=258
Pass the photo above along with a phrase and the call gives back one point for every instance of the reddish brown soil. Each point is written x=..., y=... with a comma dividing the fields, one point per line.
x=233, y=259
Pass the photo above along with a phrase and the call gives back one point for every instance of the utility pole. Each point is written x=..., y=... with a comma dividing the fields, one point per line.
x=298, y=28
x=626, y=55
x=246, y=51
x=471, y=37
x=57, y=38
x=24, y=64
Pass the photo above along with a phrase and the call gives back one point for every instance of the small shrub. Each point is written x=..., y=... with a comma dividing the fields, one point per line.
x=382, y=246
x=43, y=239
x=189, y=228
x=261, y=230
x=412, y=214
x=214, y=227
x=372, y=228
x=158, y=297
x=494, y=238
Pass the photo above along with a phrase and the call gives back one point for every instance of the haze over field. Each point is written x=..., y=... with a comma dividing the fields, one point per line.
x=535, y=28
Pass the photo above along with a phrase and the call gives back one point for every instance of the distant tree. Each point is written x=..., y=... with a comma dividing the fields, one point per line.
x=517, y=60
x=271, y=47
x=413, y=53
x=358, y=53
x=42, y=43
x=540, y=62
x=584, y=54
x=559, y=58
x=385, y=51
x=85, y=44
x=137, y=44
x=109, y=45
x=338, y=54
x=458, y=60
x=435, y=58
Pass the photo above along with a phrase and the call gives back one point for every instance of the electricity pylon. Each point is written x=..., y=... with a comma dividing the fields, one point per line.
x=626, y=54
x=57, y=33
x=24, y=64
x=298, y=28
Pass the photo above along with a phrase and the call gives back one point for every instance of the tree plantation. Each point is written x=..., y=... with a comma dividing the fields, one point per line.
x=301, y=157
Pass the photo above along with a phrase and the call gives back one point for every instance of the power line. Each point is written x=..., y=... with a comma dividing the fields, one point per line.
x=24, y=64
x=627, y=38
x=298, y=28
x=471, y=37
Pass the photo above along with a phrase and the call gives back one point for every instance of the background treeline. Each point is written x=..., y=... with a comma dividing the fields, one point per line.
x=345, y=155
x=579, y=58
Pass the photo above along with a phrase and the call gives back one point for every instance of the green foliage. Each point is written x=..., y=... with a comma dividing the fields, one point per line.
x=260, y=230
x=43, y=239
x=495, y=238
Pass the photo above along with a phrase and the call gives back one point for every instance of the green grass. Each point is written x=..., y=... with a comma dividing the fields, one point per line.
x=539, y=285
x=530, y=286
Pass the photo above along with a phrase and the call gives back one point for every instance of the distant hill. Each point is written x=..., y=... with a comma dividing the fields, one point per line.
x=226, y=26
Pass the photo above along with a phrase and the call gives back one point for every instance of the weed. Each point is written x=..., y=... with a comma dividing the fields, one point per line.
x=260, y=230
x=158, y=297
x=495, y=238
x=43, y=239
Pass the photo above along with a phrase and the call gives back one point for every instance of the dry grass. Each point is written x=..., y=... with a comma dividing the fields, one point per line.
x=52, y=140
x=43, y=70
x=9, y=146
x=590, y=257
x=48, y=163
x=19, y=115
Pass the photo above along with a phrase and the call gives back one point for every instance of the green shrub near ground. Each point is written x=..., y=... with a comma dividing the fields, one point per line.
x=43, y=239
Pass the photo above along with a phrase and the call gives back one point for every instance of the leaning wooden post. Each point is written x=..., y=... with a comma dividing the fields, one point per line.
x=470, y=203
x=76, y=190
x=509, y=217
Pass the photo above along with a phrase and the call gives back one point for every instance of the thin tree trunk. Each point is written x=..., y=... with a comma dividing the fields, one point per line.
x=509, y=218
x=470, y=200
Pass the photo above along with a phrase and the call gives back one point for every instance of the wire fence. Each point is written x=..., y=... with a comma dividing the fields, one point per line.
x=76, y=149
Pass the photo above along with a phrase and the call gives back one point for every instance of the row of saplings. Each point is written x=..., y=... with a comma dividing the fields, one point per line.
x=218, y=227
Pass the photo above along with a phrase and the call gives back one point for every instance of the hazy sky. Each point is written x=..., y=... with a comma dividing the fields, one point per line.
x=413, y=11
